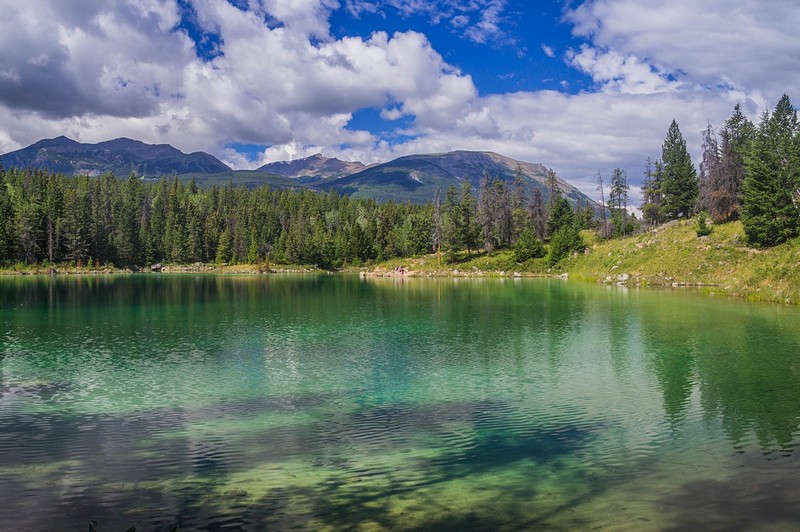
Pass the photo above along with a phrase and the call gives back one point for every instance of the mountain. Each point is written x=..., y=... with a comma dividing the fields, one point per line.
x=415, y=177
x=120, y=157
x=314, y=169
x=411, y=178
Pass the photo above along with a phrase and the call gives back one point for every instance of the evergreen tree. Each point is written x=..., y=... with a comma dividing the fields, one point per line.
x=487, y=214
x=528, y=246
x=519, y=206
x=127, y=222
x=710, y=170
x=600, y=188
x=452, y=215
x=769, y=213
x=651, y=193
x=735, y=139
x=467, y=226
x=75, y=227
x=565, y=241
x=6, y=215
x=538, y=214
x=618, y=203
x=561, y=215
x=504, y=213
x=438, y=224
x=679, y=186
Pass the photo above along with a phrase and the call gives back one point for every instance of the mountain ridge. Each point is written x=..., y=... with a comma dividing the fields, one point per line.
x=120, y=156
x=412, y=177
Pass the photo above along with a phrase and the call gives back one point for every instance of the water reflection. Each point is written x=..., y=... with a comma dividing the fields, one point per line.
x=333, y=402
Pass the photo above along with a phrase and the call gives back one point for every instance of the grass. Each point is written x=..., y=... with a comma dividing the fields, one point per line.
x=670, y=255
x=673, y=254
x=494, y=264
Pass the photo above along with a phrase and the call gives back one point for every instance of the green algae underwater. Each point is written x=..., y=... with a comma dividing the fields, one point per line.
x=329, y=402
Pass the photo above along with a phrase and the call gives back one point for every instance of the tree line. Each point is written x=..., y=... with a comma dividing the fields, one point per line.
x=51, y=218
x=747, y=172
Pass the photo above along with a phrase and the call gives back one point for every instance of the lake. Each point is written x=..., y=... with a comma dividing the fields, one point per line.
x=333, y=402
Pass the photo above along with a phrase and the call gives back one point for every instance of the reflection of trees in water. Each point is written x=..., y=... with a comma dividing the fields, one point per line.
x=741, y=359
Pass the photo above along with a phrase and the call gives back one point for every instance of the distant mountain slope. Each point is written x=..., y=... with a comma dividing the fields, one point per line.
x=415, y=177
x=313, y=169
x=120, y=157
x=411, y=178
x=243, y=178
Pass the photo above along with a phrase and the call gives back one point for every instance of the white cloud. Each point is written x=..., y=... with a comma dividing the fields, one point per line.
x=489, y=14
x=615, y=73
x=489, y=26
x=548, y=51
x=749, y=43
x=100, y=70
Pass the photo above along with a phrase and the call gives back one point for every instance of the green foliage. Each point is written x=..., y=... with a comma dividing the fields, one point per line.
x=679, y=185
x=561, y=215
x=622, y=223
x=565, y=241
x=528, y=246
x=703, y=229
x=770, y=189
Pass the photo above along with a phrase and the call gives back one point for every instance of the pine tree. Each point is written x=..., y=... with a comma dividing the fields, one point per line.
x=618, y=202
x=519, y=206
x=769, y=213
x=735, y=139
x=538, y=214
x=75, y=227
x=438, y=225
x=710, y=171
x=487, y=214
x=6, y=216
x=600, y=189
x=651, y=193
x=127, y=222
x=679, y=186
x=561, y=215
x=467, y=227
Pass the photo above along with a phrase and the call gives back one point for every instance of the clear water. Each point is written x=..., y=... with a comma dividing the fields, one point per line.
x=331, y=402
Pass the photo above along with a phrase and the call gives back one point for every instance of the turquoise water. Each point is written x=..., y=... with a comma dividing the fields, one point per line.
x=333, y=402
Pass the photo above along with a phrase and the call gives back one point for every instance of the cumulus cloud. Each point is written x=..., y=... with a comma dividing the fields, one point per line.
x=62, y=60
x=739, y=45
x=615, y=73
x=100, y=70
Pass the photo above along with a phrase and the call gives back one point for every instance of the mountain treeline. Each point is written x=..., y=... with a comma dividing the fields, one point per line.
x=47, y=217
x=747, y=171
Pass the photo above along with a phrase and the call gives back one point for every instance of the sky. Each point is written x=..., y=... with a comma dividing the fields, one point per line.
x=582, y=87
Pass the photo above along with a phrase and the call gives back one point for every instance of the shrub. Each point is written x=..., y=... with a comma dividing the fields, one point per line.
x=565, y=241
x=703, y=229
x=528, y=247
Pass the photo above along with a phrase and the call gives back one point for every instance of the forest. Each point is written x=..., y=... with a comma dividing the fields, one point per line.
x=747, y=172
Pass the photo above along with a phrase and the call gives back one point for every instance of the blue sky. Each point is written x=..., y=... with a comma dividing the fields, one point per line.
x=583, y=86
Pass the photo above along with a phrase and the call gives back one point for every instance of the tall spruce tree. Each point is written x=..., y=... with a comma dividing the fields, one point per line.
x=618, y=202
x=467, y=226
x=769, y=211
x=679, y=187
x=651, y=193
x=710, y=169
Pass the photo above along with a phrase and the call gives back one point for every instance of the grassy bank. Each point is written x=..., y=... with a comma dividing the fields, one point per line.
x=500, y=263
x=673, y=254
